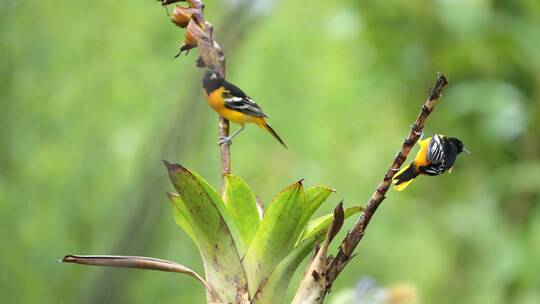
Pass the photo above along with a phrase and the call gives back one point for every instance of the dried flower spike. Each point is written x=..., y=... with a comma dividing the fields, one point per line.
x=194, y=33
x=181, y=15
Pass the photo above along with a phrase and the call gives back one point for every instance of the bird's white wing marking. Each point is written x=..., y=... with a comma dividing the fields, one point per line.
x=435, y=153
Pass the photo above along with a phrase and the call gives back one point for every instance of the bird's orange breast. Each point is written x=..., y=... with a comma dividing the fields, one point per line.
x=215, y=99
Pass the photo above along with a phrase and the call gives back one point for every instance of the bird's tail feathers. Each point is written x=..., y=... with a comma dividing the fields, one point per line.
x=404, y=177
x=267, y=127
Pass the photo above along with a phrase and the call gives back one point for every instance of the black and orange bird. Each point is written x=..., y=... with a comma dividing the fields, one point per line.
x=437, y=155
x=233, y=104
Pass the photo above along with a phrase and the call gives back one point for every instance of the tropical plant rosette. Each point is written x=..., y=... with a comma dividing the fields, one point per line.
x=239, y=248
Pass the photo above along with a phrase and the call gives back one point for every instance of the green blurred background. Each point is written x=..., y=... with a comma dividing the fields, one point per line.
x=92, y=101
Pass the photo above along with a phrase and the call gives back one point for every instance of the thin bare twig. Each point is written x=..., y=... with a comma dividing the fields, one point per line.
x=354, y=237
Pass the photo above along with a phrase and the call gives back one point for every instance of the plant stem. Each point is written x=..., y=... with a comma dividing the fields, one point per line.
x=225, y=150
x=211, y=56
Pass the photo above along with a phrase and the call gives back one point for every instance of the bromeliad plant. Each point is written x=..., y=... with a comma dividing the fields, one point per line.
x=248, y=257
x=249, y=254
x=246, y=254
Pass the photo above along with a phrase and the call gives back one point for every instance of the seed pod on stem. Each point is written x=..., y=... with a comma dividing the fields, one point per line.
x=194, y=33
x=181, y=15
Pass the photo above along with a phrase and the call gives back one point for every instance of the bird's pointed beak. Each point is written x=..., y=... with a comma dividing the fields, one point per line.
x=466, y=151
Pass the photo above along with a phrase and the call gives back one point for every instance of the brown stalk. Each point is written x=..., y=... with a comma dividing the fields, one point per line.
x=199, y=34
x=349, y=243
x=313, y=287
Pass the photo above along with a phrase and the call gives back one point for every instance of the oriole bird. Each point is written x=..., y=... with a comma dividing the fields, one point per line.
x=437, y=155
x=233, y=104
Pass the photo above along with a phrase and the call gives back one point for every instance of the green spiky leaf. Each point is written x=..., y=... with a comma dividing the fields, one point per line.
x=315, y=197
x=242, y=207
x=273, y=240
x=212, y=229
x=224, y=212
x=181, y=215
x=273, y=290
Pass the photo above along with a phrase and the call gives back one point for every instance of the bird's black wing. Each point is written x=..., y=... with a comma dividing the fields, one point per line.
x=236, y=99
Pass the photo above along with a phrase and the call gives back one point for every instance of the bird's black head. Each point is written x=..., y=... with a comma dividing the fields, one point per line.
x=212, y=81
x=458, y=144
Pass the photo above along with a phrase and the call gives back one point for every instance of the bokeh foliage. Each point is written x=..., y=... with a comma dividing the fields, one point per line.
x=91, y=101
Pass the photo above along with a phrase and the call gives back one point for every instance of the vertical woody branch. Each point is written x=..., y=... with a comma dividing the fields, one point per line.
x=199, y=34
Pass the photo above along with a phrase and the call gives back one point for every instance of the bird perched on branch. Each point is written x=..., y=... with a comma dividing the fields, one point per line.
x=437, y=155
x=233, y=104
